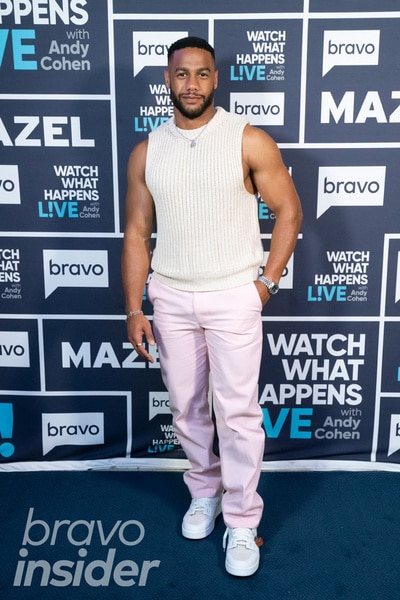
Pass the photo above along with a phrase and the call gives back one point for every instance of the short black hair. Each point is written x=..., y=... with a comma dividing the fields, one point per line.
x=191, y=42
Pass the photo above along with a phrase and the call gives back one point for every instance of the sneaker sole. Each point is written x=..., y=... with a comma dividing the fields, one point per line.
x=234, y=570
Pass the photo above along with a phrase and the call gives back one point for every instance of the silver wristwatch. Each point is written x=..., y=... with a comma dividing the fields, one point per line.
x=272, y=287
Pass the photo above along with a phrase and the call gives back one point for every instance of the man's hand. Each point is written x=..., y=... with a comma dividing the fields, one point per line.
x=263, y=292
x=139, y=329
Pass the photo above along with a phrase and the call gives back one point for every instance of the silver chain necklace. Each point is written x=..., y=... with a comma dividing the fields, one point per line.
x=192, y=141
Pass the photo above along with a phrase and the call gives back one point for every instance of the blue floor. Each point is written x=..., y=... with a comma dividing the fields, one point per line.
x=95, y=535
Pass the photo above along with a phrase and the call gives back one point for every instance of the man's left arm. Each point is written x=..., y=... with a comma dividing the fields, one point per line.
x=276, y=188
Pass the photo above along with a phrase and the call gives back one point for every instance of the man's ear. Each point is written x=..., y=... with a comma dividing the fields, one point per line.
x=215, y=80
x=166, y=78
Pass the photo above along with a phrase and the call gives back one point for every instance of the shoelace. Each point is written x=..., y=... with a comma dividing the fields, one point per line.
x=201, y=505
x=239, y=537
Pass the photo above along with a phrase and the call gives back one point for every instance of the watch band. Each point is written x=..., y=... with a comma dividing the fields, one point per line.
x=272, y=287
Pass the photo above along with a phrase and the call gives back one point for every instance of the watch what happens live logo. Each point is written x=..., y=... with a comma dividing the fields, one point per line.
x=321, y=369
x=21, y=44
x=347, y=280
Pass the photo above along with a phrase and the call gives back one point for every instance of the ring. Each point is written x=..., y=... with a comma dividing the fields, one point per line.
x=139, y=345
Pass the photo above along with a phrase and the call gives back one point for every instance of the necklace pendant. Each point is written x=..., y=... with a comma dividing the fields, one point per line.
x=193, y=143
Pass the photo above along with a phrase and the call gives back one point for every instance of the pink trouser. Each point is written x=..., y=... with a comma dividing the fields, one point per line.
x=220, y=332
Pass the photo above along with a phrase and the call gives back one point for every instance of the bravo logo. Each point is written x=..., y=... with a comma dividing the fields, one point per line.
x=261, y=108
x=286, y=282
x=9, y=185
x=78, y=429
x=350, y=48
x=350, y=186
x=394, y=439
x=158, y=404
x=397, y=294
x=14, y=349
x=150, y=48
x=74, y=268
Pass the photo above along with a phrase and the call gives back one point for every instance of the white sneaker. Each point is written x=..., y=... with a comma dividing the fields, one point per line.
x=242, y=553
x=199, y=520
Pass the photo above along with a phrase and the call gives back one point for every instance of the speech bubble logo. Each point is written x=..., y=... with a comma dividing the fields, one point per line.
x=286, y=281
x=397, y=295
x=158, y=404
x=14, y=349
x=150, y=48
x=266, y=108
x=350, y=48
x=77, y=429
x=9, y=185
x=394, y=440
x=350, y=186
x=74, y=268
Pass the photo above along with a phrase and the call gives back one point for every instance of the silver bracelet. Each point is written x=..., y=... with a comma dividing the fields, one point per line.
x=133, y=313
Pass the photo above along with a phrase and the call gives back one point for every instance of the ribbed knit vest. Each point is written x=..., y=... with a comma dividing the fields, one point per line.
x=208, y=235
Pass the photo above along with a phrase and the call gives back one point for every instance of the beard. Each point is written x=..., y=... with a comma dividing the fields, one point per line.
x=195, y=112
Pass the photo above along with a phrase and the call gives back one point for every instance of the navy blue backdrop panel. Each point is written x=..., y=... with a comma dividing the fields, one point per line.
x=82, y=82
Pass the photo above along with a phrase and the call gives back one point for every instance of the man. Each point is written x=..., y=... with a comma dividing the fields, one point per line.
x=199, y=173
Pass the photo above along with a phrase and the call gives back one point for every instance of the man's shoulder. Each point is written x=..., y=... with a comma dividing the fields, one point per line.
x=231, y=122
x=225, y=115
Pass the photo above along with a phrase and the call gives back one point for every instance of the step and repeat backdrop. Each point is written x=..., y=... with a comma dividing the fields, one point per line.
x=81, y=82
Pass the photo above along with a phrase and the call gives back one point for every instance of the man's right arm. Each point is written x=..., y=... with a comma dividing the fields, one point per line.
x=136, y=248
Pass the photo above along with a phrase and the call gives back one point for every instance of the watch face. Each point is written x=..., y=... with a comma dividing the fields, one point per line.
x=274, y=289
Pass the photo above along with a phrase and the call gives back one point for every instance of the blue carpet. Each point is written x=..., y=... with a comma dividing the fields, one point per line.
x=95, y=535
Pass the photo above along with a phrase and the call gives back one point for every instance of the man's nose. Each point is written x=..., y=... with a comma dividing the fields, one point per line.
x=191, y=82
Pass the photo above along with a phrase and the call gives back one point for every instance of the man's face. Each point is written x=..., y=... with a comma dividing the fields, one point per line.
x=192, y=79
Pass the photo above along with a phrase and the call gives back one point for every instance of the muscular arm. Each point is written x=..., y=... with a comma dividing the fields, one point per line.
x=136, y=247
x=265, y=170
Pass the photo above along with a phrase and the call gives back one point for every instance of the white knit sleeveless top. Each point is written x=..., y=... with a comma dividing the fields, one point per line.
x=208, y=235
